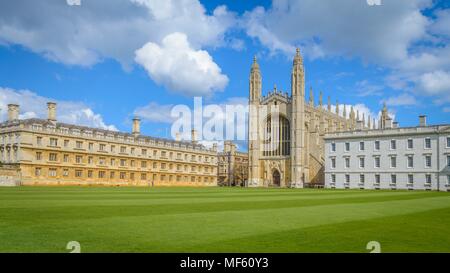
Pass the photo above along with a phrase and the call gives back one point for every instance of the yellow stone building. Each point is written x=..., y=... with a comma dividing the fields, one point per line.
x=47, y=152
x=286, y=146
x=232, y=166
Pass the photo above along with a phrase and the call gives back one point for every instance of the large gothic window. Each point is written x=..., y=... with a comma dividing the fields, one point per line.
x=277, y=136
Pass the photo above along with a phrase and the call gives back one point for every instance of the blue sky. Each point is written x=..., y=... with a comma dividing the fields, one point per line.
x=104, y=61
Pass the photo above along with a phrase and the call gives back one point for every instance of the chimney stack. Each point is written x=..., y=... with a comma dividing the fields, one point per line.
x=194, y=136
x=177, y=136
x=136, y=126
x=51, y=111
x=422, y=121
x=214, y=147
x=13, y=112
x=395, y=124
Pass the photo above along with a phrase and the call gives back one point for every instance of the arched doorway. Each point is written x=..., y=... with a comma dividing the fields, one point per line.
x=276, y=178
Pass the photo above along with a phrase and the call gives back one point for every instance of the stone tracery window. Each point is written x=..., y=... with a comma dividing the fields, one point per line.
x=276, y=140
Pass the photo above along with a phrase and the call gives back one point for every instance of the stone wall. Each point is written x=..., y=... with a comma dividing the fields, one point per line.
x=9, y=176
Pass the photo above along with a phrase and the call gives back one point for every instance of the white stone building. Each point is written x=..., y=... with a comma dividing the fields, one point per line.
x=389, y=157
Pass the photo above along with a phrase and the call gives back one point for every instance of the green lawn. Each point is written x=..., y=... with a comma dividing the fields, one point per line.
x=45, y=219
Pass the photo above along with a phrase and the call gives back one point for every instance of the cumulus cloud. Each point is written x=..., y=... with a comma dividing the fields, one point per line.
x=35, y=106
x=84, y=35
x=331, y=27
x=435, y=83
x=180, y=68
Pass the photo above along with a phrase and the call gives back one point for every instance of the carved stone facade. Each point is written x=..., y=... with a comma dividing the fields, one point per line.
x=286, y=146
x=47, y=152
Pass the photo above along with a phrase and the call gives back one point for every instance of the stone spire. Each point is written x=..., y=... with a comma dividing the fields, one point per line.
x=329, y=104
x=352, y=113
x=311, y=97
x=357, y=114
x=364, y=120
x=337, y=107
x=345, y=111
x=320, y=99
x=255, y=82
x=368, y=123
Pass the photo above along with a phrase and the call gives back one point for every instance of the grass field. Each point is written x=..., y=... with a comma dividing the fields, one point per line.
x=45, y=219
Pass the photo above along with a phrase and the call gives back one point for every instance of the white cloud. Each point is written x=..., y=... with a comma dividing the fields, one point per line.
x=435, y=83
x=154, y=112
x=352, y=28
x=401, y=100
x=35, y=106
x=180, y=68
x=85, y=34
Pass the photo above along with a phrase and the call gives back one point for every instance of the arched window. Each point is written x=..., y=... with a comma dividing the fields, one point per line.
x=277, y=136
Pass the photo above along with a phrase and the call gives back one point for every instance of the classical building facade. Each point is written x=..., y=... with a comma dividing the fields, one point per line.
x=286, y=132
x=232, y=166
x=47, y=152
x=389, y=157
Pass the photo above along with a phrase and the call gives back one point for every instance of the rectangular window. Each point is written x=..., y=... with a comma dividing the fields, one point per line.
x=347, y=162
x=113, y=162
x=102, y=161
x=123, y=162
x=428, y=178
x=448, y=142
x=113, y=148
x=393, y=162
x=427, y=143
x=333, y=163
x=377, y=145
x=361, y=146
x=37, y=171
x=448, y=180
x=347, y=146
x=66, y=172
x=90, y=174
x=393, y=179
x=333, y=147
x=111, y=175
x=163, y=166
x=347, y=178
x=53, y=142
x=78, y=173
x=361, y=178
x=132, y=151
x=123, y=149
x=123, y=175
x=79, y=145
x=101, y=174
x=90, y=160
x=143, y=176
x=361, y=162
x=144, y=152
x=448, y=161
x=428, y=161
x=410, y=179
x=79, y=159
x=143, y=164
x=377, y=179
x=91, y=146
x=39, y=141
x=66, y=158
x=52, y=157
x=66, y=143
x=393, y=144
x=410, y=144
x=102, y=147
x=38, y=156
x=333, y=178
x=410, y=161
x=52, y=172
x=377, y=162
